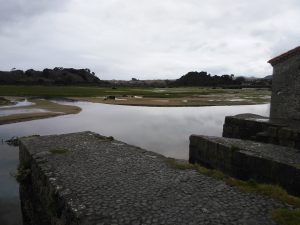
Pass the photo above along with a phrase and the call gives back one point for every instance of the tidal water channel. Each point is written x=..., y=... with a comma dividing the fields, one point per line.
x=164, y=130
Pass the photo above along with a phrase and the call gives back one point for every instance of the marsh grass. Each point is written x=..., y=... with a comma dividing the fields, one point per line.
x=76, y=91
x=180, y=96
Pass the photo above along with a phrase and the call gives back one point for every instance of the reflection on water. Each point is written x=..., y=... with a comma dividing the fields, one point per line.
x=163, y=130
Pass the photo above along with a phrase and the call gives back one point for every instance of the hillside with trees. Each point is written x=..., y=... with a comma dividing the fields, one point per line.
x=56, y=76
x=205, y=79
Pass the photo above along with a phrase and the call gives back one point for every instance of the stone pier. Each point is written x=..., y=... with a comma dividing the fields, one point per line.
x=87, y=179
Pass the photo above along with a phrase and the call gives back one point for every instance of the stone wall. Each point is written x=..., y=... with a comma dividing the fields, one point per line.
x=249, y=160
x=285, y=102
x=40, y=201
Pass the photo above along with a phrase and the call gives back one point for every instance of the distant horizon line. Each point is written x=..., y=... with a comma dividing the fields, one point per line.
x=129, y=79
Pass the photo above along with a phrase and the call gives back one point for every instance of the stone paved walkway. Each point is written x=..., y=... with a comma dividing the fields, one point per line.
x=109, y=182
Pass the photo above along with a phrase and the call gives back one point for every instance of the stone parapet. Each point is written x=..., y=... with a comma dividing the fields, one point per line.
x=249, y=160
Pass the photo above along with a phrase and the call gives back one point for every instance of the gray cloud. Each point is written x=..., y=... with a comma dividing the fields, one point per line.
x=14, y=11
x=148, y=39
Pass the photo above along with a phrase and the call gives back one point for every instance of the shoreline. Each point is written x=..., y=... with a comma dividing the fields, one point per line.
x=167, y=102
x=53, y=110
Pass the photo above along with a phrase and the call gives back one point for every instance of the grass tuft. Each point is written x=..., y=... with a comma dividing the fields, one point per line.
x=110, y=138
x=59, y=151
x=273, y=191
x=188, y=166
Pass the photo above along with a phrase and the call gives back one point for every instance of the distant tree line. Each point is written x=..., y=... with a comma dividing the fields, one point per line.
x=205, y=79
x=71, y=76
x=56, y=76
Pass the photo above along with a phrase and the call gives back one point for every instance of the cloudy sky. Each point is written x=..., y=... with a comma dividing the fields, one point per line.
x=148, y=39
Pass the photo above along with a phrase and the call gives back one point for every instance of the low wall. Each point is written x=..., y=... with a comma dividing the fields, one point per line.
x=247, y=159
x=40, y=202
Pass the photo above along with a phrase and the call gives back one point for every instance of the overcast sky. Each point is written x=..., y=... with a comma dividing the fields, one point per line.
x=148, y=39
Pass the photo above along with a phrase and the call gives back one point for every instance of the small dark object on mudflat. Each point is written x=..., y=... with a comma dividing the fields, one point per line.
x=110, y=97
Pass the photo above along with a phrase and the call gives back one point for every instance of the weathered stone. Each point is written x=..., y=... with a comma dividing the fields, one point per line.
x=97, y=180
x=285, y=101
x=244, y=126
x=261, y=129
x=247, y=159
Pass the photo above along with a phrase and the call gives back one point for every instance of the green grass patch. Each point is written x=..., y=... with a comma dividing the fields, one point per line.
x=203, y=170
x=273, y=191
x=104, y=138
x=76, y=91
x=286, y=217
x=59, y=151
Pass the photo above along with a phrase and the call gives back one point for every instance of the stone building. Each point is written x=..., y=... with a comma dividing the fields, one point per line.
x=285, y=102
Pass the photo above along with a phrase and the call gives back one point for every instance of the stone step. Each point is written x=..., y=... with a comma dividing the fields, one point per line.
x=246, y=159
x=258, y=128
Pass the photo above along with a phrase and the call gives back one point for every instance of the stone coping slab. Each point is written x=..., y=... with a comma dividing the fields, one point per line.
x=257, y=128
x=249, y=159
x=290, y=124
x=85, y=178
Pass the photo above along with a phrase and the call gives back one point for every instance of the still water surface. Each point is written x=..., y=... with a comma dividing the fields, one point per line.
x=162, y=130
